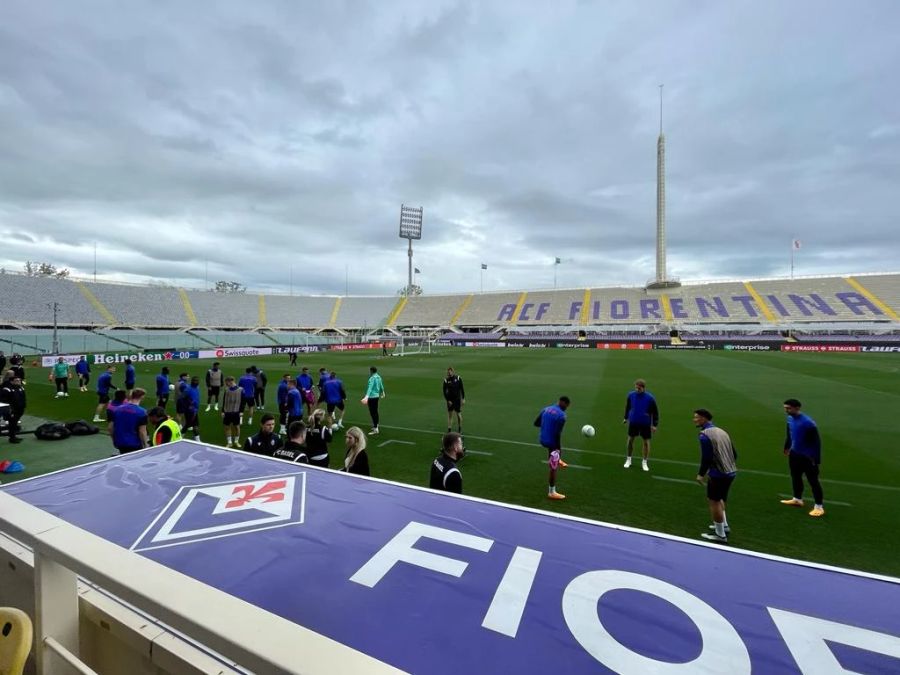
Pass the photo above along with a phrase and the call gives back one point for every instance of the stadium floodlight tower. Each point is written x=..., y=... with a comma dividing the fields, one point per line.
x=661, y=280
x=410, y=228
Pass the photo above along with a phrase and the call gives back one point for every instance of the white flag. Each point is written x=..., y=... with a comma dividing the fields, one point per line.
x=796, y=243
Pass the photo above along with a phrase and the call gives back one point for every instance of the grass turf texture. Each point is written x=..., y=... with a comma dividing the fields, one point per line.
x=851, y=396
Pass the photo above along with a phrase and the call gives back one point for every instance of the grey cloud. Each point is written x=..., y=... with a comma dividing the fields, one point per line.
x=258, y=136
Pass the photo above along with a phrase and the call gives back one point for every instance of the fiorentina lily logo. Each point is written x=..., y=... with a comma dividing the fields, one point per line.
x=202, y=512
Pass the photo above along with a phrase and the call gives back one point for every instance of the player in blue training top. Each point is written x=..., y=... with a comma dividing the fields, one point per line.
x=130, y=377
x=104, y=385
x=305, y=385
x=247, y=383
x=83, y=369
x=551, y=421
x=642, y=418
x=281, y=394
x=162, y=388
x=803, y=446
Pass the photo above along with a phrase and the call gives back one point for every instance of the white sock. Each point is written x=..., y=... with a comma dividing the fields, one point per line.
x=228, y=440
x=552, y=490
x=819, y=506
x=724, y=520
x=720, y=529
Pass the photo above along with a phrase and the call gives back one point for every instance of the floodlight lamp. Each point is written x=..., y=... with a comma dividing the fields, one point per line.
x=410, y=222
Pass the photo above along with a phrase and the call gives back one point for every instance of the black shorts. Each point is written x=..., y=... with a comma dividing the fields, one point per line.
x=212, y=391
x=84, y=377
x=454, y=405
x=182, y=405
x=102, y=399
x=717, y=487
x=191, y=420
x=126, y=449
x=162, y=400
x=231, y=419
x=247, y=402
x=332, y=406
x=642, y=430
x=129, y=386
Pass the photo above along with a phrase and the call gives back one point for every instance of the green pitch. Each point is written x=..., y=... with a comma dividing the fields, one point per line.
x=853, y=397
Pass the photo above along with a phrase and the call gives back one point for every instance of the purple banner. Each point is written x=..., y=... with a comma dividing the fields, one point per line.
x=433, y=583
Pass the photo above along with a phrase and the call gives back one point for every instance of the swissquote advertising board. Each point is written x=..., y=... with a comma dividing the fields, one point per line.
x=435, y=583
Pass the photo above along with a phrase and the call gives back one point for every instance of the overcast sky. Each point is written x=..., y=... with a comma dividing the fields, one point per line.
x=250, y=137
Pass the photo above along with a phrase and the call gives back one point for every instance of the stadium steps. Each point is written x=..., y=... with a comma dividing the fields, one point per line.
x=95, y=303
x=111, y=336
x=201, y=338
x=334, y=312
x=395, y=313
x=462, y=308
x=263, y=320
x=188, y=310
x=30, y=348
x=763, y=307
x=871, y=297
x=265, y=334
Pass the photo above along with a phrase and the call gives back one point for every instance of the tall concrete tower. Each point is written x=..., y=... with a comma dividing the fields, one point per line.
x=662, y=280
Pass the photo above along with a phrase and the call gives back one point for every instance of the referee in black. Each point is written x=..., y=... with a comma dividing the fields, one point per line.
x=444, y=474
x=455, y=396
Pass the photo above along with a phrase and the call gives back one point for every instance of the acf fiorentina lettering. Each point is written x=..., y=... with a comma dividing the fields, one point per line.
x=791, y=304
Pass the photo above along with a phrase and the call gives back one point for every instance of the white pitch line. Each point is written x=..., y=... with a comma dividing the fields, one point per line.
x=393, y=440
x=572, y=466
x=676, y=480
x=479, y=452
x=756, y=472
x=830, y=502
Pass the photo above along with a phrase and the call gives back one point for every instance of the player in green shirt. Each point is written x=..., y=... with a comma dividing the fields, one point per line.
x=60, y=373
x=374, y=393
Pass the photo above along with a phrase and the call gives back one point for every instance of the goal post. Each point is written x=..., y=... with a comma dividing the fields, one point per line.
x=408, y=345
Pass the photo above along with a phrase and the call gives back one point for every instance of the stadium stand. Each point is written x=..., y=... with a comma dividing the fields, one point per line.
x=431, y=310
x=24, y=300
x=225, y=310
x=490, y=309
x=867, y=302
x=284, y=311
x=364, y=312
x=141, y=305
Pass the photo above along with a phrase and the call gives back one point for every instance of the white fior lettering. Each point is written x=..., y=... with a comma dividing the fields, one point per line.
x=400, y=549
x=505, y=613
x=806, y=638
x=723, y=650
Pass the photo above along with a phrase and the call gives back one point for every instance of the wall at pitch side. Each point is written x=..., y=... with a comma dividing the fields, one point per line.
x=114, y=639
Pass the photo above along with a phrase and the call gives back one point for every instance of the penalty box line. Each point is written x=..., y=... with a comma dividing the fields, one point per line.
x=756, y=472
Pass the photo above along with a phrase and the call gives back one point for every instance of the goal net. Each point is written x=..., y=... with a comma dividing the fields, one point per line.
x=410, y=345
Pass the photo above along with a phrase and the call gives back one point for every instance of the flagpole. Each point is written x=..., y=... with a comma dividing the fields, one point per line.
x=482, y=280
x=793, y=238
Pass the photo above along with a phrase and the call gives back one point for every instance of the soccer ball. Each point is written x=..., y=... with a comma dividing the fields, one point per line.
x=171, y=387
x=588, y=430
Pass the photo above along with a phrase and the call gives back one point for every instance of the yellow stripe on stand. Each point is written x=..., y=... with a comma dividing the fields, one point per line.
x=585, y=304
x=395, y=314
x=462, y=308
x=99, y=306
x=188, y=310
x=667, y=307
x=263, y=320
x=871, y=297
x=763, y=307
x=519, y=306
x=334, y=311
